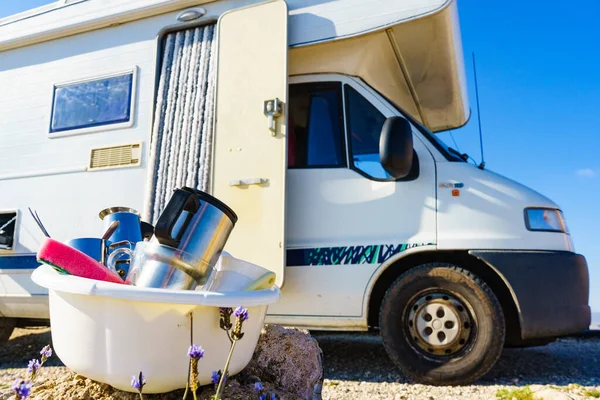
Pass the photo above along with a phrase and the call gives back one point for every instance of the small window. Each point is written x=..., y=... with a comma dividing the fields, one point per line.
x=8, y=223
x=364, y=130
x=315, y=133
x=105, y=101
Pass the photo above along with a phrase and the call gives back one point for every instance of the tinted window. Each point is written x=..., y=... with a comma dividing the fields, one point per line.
x=100, y=102
x=364, y=129
x=315, y=133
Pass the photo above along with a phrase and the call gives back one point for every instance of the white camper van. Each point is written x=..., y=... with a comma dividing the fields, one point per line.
x=315, y=121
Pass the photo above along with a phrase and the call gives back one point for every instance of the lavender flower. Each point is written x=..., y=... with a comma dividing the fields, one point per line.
x=216, y=377
x=258, y=387
x=46, y=352
x=196, y=352
x=233, y=335
x=241, y=313
x=21, y=388
x=263, y=397
x=138, y=383
x=33, y=366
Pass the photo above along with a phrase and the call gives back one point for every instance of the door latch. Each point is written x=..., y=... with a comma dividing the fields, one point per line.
x=273, y=109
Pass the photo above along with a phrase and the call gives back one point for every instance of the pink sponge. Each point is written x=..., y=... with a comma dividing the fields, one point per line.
x=59, y=255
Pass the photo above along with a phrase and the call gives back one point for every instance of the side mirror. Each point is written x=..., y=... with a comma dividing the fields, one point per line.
x=396, y=147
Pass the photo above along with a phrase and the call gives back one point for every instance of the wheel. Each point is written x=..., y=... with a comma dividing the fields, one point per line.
x=7, y=325
x=442, y=325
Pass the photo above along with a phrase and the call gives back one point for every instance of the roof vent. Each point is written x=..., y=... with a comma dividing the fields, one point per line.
x=128, y=155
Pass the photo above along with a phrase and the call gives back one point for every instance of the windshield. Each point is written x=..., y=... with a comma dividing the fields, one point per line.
x=440, y=144
x=448, y=152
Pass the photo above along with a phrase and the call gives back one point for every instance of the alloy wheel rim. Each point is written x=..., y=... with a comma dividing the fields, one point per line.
x=439, y=324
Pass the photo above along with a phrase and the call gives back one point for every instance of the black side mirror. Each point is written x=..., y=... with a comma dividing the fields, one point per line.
x=396, y=147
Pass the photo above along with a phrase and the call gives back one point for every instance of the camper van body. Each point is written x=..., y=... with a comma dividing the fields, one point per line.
x=342, y=234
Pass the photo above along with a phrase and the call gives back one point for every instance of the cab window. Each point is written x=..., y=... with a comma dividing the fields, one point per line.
x=316, y=128
x=364, y=130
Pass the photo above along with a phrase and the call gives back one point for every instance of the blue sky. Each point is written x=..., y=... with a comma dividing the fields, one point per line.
x=538, y=69
x=13, y=7
x=538, y=66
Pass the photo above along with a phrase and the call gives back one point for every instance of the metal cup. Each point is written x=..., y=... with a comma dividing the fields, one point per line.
x=96, y=248
x=129, y=223
x=129, y=230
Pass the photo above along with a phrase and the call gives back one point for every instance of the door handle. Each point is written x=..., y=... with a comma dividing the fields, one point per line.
x=273, y=109
x=251, y=181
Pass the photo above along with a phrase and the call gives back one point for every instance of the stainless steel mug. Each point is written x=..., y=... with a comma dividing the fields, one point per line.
x=195, y=223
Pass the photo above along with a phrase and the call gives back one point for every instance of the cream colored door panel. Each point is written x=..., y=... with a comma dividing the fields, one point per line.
x=250, y=141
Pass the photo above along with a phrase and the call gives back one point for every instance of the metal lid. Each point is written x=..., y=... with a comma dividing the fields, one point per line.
x=113, y=210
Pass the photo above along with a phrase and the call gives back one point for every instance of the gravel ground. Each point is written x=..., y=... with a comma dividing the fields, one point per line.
x=357, y=367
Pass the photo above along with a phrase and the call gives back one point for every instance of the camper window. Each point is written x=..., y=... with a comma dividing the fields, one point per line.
x=8, y=223
x=364, y=130
x=315, y=136
x=92, y=103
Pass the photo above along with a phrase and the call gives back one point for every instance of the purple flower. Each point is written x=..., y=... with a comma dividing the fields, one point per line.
x=263, y=397
x=33, y=366
x=216, y=377
x=21, y=388
x=46, y=352
x=196, y=352
x=225, y=310
x=135, y=381
x=273, y=397
x=241, y=313
x=258, y=387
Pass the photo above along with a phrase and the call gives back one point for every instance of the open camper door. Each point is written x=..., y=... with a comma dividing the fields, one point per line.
x=249, y=166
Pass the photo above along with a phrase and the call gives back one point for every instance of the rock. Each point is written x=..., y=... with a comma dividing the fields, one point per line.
x=289, y=358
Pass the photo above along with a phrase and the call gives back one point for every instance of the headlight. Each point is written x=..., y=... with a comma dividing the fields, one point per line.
x=545, y=219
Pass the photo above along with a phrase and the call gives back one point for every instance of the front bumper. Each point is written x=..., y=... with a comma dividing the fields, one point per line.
x=550, y=289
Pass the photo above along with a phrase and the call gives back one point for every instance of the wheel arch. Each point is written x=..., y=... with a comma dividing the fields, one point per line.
x=390, y=271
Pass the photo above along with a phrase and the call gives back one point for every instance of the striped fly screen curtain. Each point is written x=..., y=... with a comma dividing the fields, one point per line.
x=181, y=141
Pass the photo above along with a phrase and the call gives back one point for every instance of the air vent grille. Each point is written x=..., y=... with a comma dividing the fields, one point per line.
x=128, y=155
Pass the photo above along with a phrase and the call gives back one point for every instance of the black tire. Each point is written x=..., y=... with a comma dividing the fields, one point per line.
x=474, y=345
x=7, y=325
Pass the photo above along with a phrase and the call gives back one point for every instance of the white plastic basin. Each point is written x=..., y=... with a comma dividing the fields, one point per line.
x=109, y=332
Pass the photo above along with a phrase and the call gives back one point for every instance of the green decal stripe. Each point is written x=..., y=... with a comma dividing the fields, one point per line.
x=345, y=255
